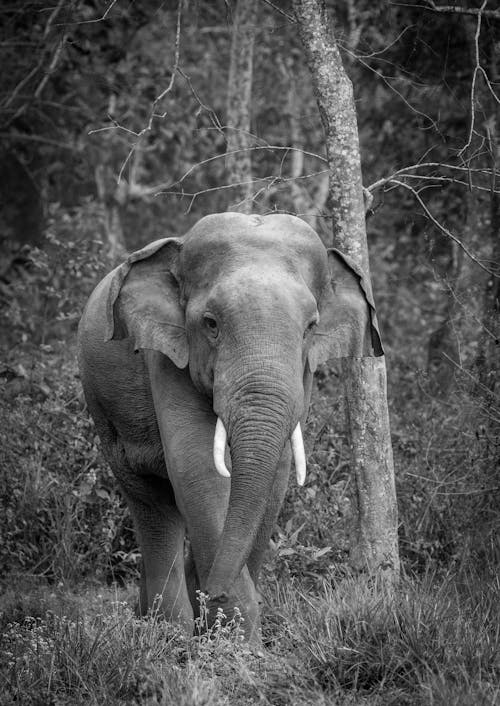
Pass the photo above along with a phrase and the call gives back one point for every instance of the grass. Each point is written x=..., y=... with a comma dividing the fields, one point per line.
x=435, y=641
x=400, y=649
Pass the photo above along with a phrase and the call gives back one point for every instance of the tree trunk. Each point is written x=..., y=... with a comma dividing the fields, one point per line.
x=306, y=205
x=374, y=546
x=238, y=160
x=111, y=196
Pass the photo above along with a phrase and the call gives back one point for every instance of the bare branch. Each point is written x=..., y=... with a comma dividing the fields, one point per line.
x=51, y=67
x=176, y=62
x=455, y=9
x=141, y=191
x=450, y=180
x=159, y=97
x=116, y=126
x=477, y=69
x=14, y=135
x=97, y=19
x=422, y=165
x=443, y=229
x=223, y=156
x=162, y=95
x=486, y=390
x=269, y=182
x=255, y=137
x=52, y=17
x=387, y=82
x=213, y=115
x=290, y=18
x=23, y=82
x=375, y=54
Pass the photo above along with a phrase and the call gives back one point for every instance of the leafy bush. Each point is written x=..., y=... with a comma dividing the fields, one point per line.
x=446, y=452
x=43, y=292
x=62, y=517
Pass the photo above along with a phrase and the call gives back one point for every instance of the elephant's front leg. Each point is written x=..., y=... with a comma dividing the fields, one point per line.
x=203, y=496
x=187, y=426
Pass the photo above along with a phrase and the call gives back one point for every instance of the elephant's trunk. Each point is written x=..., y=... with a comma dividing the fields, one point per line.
x=263, y=418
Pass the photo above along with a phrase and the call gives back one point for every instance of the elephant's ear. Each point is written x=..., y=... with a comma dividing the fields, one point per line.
x=348, y=323
x=144, y=301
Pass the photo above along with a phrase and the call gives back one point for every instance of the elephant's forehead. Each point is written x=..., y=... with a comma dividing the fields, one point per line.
x=234, y=239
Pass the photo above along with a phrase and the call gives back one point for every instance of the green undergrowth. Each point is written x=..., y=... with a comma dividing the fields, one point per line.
x=434, y=641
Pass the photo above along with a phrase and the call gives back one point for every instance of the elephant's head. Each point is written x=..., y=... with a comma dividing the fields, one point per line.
x=252, y=304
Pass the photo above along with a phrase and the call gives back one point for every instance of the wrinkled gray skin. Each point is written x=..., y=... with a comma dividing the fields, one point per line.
x=220, y=323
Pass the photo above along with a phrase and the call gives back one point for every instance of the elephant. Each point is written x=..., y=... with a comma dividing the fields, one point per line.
x=196, y=358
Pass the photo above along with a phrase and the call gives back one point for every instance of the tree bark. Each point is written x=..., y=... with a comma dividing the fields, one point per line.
x=111, y=198
x=239, y=92
x=374, y=545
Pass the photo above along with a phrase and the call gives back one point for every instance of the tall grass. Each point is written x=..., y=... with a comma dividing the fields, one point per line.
x=432, y=642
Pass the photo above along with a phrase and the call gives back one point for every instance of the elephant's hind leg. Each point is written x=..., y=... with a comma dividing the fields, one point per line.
x=140, y=470
x=161, y=533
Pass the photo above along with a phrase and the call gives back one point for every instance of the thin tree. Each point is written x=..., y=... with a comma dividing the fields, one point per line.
x=239, y=91
x=374, y=545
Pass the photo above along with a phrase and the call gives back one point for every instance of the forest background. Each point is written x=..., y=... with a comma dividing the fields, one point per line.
x=113, y=134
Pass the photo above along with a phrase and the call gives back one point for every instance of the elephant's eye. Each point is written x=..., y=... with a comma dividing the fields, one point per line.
x=211, y=325
x=311, y=326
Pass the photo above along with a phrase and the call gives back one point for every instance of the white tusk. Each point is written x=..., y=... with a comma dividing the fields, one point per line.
x=220, y=438
x=299, y=455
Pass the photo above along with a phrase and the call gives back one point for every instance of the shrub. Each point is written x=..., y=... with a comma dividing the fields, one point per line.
x=62, y=517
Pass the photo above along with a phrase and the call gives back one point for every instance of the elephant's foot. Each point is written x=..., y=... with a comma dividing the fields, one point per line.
x=174, y=612
x=238, y=614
